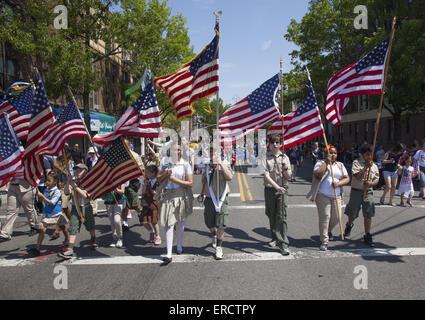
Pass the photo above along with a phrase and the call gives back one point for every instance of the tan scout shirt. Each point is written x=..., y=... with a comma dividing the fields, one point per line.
x=273, y=165
x=213, y=181
x=358, y=166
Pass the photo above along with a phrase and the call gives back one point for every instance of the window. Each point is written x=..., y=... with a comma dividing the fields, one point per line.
x=363, y=103
x=94, y=100
x=8, y=73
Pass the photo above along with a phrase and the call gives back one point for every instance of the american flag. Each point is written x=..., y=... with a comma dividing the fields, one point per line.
x=19, y=109
x=363, y=77
x=141, y=119
x=251, y=113
x=11, y=152
x=115, y=168
x=302, y=124
x=196, y=79
x=41, y=119
x=69, y=124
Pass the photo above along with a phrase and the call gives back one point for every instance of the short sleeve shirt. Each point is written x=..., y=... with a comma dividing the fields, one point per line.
x=178, y=171
x=358, y=166
x=273, y=165
x=326, y=187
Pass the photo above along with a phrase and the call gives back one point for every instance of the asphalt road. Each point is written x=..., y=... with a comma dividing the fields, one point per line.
x=250, y=269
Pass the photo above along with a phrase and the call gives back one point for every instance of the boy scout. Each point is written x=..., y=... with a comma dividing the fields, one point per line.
x=359, y=169
x=273, y=191
x=216, y=213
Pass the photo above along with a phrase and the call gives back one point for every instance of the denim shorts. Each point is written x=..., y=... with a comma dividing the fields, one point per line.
x=422, y=177
x=390, y=174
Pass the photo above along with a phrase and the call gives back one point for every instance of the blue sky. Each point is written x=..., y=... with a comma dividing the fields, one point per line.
x=251, y=38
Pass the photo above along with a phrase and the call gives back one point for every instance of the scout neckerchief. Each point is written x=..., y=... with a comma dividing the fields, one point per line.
x=213, y=198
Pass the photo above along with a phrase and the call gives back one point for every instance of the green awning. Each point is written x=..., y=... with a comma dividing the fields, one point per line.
x=101, y=122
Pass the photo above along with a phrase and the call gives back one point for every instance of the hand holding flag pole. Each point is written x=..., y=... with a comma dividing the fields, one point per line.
x=381, y=102
x=68, y=173
x=333, y=179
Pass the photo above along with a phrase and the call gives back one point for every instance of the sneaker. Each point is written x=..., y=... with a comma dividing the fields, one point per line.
x=54, y=236
x=347, y=230
x=33, y=231
x=272, y=244
x=285, y=251
x=409, y=203
x=166, y=261
x=218, y=253
x=113, y=244
x=34, y=252
x=382, y=201
x=214, y=241
x=157, y=241
x=119, y=243
x=66, y=254
x=151, y=237
x=3, y=239
x=323, y=247
x=402, y=204
x=125, y=227
x=368, y=240
x=179, y=251
x=331, y=237
x=93, y=244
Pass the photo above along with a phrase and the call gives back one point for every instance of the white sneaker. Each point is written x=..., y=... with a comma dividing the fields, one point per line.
x=214, y=241
x=119, y=243
x=218, y=253
x=112, y=245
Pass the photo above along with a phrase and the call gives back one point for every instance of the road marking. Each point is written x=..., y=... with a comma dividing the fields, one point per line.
x=240, y=187
x=247, y=186
x=233, y=257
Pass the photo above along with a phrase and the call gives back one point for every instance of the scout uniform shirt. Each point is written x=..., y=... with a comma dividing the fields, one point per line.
x=358, y=166
x=213, y=180
x=273, y=165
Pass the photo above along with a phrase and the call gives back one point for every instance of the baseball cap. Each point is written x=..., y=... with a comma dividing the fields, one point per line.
x=81, y=166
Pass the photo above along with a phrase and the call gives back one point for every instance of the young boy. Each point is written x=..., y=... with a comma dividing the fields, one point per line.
x=359, y=170
x=83, y=199
x=52, y=211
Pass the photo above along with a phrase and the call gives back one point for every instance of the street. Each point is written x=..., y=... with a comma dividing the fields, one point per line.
x=249, y=270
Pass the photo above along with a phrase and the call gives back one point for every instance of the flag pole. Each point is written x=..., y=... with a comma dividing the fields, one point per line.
x=217, y=20
x=381, y=102
x=333, y=179
x=68, y=173
x=283, y=131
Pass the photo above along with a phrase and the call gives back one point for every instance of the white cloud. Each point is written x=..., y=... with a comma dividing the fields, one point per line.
x=266, y=45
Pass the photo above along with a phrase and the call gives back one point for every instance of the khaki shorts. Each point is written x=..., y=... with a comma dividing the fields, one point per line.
x=65, y=200
x=61, y=220
x=211, y=218
x=356, y=203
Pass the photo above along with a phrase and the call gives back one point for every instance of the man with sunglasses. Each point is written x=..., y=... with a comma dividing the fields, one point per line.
x=277, y=165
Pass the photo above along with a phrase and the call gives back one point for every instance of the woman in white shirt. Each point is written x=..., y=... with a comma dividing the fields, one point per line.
x=174, y=208
x=325, y=198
